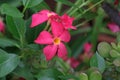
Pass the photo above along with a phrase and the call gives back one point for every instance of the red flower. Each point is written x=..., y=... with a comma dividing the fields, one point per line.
x=54, y=44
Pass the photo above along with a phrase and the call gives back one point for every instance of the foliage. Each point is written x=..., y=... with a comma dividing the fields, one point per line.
x=24, y=57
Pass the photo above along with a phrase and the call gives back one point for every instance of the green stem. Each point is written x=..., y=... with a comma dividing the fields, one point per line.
x=82, y=23
x=73, y=11
x=59, y=7
x=25, y=7
x=22, y=41
x=106, y=31
x=79, y=16
x=81, y=31
x=47, y=26
x=72, y=8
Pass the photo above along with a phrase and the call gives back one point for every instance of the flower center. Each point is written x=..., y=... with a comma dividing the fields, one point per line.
x=57, y=41
x=50, y=14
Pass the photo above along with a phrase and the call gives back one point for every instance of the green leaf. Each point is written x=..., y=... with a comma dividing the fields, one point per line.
x=104, y=49
x=98, y=62
x=11, y=2
x=4, y=42
x=89, y=15
x=83, y=76
x=35, y=30
x=95, y=76
x=23, y=72
x=49, y=74
x=2, y=52
x=41, y=6
x=16, y=26
x=114, y=54
x=69, y=77
x=116, y=62
x=10, y=10
x=31, y=3
x=66, y=2
x=96, y=28
x=3, y=78
x=8, y=62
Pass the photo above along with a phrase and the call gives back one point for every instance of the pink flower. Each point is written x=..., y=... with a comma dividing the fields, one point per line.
x=62, y=21
x=59, y=24
x=87, y=47
x=67, y=22
x=113, y=27
x=41, y=17
x=57, y=27
x=2, y=26
x=54, y=44
x=72, y=62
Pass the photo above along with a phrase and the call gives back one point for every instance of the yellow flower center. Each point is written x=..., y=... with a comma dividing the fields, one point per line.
x=50, y=14
x=57, y=41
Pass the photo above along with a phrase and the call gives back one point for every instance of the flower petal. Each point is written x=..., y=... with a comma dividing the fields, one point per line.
x=65, y=36
x=50, y=51
x=56, y=25
x=62, y=51
x=44, y=38
x=2, y=26
x=67, y=21
x=113, y=27
x=87, y=47
x=39, y=18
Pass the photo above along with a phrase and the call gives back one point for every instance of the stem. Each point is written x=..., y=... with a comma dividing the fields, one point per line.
x=71, y=9
x=21, y=41
x=81, y=30
x=89, y=9
x=47, y=26
x=49, y=29
x=72, y=12
x=59, y=7
x=25, y=7
x=82, y=23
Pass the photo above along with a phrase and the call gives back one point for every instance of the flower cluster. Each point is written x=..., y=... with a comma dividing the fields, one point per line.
x=59, y=26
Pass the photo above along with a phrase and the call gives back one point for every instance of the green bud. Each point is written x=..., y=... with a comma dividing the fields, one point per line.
x=116, y=62
x=114, y=53
x=83, y=76
x=96, y=75
x=104, y=49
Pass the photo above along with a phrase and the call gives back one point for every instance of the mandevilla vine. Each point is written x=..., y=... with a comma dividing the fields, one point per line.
x=59, y=40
